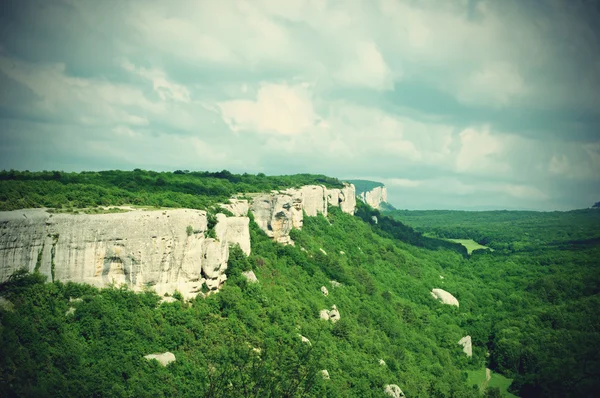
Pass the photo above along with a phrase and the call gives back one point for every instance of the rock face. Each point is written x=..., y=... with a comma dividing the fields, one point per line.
x=138, y=248
x=279, y=212
x=394, y=391
x=239, y=208
x=167, y=250
x=164, y=358
x=375, y=197
x=444, y=297
x=467, y=345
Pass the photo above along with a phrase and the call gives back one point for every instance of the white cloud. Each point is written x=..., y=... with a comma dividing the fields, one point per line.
x=166, y=89
x=366, y=68
x=481, y=152
x=278, y=109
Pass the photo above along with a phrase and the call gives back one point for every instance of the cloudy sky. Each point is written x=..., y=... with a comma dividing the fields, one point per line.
x=462, y=104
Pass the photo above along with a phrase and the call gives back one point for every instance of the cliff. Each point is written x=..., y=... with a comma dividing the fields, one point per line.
x=371, y=192
x=166, y=250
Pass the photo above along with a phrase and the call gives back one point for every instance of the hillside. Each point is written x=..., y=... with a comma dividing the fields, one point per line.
x=537, y=315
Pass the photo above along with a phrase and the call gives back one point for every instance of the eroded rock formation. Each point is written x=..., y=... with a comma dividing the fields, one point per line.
x=278, y=212
x=393, y=391
x=375, y=197
x=467, y=345
x=166, y=250
x=444, y=297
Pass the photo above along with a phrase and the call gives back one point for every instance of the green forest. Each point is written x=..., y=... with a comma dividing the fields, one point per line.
x=532, y=306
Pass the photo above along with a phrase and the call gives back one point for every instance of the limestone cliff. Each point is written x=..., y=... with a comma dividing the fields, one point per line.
x=166, y=250
x=375, y=197
x=138, y=248
x=371, y=192
x=280, y=211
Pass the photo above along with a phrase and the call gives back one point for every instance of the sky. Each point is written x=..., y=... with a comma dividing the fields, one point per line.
x=465, y=104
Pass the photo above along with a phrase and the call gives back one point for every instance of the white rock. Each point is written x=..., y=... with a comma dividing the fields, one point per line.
x=335, y=283
x=164, y=358
x=238, y=207
x=314, y=200
x=325, y=374
x=441, y=277
x=167, y=300
x=70, y=311
x=375, y=197
x=324, y=314
x=382, y=362
x=278, y=212
x=374, y=219
x=324, y=291
x=342, y=252
x=394, y=391
x=323, y=251
x=6, y=305
x=304, y=339
x=444, y=297
x=334, y=314
x=139, y=248
x=250, y=276
x=467, y=345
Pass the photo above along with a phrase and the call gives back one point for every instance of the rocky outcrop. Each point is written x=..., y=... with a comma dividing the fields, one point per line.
x=279, y=212
x=304, y=339
x=250, y=276
x=393, y=391
x=164, y=359
x=167, y=250
x=332, y=315
x=444, y=297
x=375, y=197
x=237, y=207
x=325, y=374
x=467, y=345
x=324, y=291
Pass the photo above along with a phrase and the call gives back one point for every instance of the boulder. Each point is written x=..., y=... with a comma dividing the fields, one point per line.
x=393, y=391
x=325, y=374
x=6, y=305
x=467, y=345
x=304, y=339
x=324, y=291
x=382, y=362
x=164, y=359
x=444, y=297
x=334, y=314
x=335, y=284
x=250, y=276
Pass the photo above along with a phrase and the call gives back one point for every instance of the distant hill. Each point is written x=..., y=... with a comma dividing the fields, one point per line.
x=364, y=185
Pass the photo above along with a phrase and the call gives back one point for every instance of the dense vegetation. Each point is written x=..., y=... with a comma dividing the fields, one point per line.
x=195, y=190
x=508, y=231
x=543, y=327
x=532, y=309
